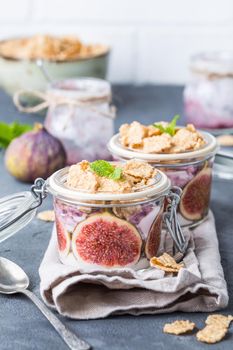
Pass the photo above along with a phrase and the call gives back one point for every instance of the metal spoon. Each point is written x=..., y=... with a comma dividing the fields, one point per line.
x=14, y=280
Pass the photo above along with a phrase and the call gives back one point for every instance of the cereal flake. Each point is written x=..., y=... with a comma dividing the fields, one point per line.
x=166, y=263
x=157, y=144
x=80, y=178
x=132, y=135
x=139, y=169
x=219, y=320
x=46, y=215
x=150, y=139
x=211, y=334
x=225, y=140
x=179, y=327
x=135, y=175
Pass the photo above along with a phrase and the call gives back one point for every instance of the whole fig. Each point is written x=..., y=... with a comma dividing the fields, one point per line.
x=34, y=154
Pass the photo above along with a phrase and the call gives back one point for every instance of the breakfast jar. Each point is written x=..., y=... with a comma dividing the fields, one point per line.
x=208, y=96
x=190, y=170
x=80, y=115
x=114, y=226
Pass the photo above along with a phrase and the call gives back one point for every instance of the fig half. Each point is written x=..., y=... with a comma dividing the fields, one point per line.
x=195, y=199
x=107, y=241
x=154, y=235
x=63, y=238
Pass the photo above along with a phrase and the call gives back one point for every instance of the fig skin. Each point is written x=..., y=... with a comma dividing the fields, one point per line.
x=63, y=238
x=196, y=196
x=34, y=154
x=154, y=236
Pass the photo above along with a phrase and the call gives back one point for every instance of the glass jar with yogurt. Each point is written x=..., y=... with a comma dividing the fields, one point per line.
x=108, y=230
x=105, y=229
x=80, y=115
x=208, y=96
x=190, y=170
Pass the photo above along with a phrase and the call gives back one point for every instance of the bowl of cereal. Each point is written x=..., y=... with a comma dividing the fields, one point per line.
x=62, y=57
x=185, y=154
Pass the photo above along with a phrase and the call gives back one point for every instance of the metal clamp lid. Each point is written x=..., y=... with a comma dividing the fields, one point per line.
x=17, y=210
x=171, y=220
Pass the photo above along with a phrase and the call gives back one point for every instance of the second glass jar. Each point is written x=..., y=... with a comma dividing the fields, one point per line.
x=191, y=171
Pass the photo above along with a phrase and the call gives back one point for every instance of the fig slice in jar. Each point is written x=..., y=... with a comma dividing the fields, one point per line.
x=153, y=239
x=63, y=238
x=107, y=241
x=196, y=195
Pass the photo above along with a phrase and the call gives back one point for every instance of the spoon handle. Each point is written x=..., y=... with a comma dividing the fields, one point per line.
x=69, y=338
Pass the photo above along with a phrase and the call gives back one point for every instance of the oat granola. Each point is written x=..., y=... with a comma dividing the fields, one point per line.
x=49, y=47
x=134, y=175
x=150, y=139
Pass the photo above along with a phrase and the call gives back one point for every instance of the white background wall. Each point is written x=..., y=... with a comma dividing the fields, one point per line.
x=151, y=39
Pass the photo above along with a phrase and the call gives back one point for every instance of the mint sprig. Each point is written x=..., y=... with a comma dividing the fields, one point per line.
x=105, y=169
x=116, y=175
x=8, y=132
x=170, y=128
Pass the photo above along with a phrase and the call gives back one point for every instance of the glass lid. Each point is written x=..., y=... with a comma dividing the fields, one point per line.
x=56, y=185
x=218, y=62
x=17, y=210
x=117, y=149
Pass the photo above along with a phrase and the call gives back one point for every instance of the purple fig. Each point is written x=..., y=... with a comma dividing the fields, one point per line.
x=107, y=241
x=34, y=154
x=195, y=198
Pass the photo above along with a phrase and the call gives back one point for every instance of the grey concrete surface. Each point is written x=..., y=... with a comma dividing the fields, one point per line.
x=23, y=327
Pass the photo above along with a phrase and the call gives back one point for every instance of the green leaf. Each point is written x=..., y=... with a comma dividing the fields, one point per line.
x=160, y=127
x=170, y=128
x=8, y=132
x=116, y=175
x=105, y=169
x=102, y=168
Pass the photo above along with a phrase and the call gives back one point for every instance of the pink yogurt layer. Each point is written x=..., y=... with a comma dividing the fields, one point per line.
x=206, y=116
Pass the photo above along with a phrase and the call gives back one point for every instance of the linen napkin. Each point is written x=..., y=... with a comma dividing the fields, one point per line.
x=200, y=286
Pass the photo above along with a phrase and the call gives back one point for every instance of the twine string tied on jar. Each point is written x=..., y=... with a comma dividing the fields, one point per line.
x=50, y=99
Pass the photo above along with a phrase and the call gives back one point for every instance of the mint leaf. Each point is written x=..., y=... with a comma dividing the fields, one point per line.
x=170, y=128
x=160, y=127
x=102, y=168
x=116, y=175
x=105, y=169
x=8, y=132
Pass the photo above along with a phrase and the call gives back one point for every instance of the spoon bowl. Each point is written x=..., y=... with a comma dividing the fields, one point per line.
x=12, y=278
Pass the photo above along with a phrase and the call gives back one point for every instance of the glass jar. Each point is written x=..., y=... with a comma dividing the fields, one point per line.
x=208, y=96
x=80, y=115
x=100, y=230
x=191, y=171
x=105, y=229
